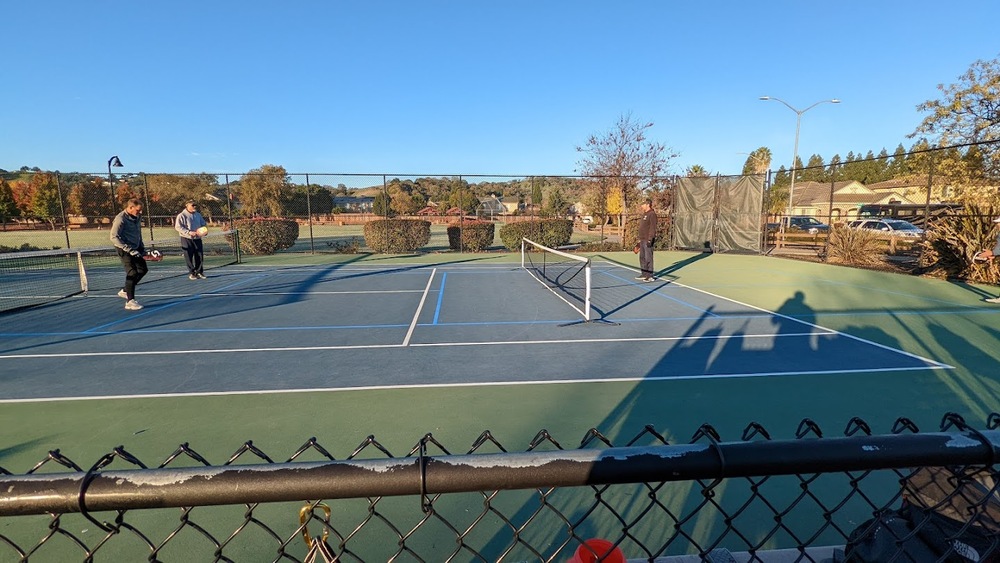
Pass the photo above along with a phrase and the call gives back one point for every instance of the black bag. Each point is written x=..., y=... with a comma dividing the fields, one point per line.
x=947, y=515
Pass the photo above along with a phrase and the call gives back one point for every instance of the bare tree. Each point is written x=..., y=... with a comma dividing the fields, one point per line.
x=625, y=162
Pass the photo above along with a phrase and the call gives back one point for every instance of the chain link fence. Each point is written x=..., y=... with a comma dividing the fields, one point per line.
x=817, y=497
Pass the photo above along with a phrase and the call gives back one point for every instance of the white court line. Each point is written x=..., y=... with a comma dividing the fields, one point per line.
x=448, y=385
x=932, y=364
x=420, y=307
x=829, y=330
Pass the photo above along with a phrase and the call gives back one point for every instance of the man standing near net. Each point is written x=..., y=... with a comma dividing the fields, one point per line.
x=126, y=235
x=647, y=232
x=190, y=224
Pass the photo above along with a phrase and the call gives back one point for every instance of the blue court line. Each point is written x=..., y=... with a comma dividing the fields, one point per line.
x=437, y=310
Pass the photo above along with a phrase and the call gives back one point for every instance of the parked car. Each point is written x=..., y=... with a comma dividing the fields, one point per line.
x=805, y=223
x=888, y=227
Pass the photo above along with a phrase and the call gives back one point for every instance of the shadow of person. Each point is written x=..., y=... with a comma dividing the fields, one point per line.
x=795, y=317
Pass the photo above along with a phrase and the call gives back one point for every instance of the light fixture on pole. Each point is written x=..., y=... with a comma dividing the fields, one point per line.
x=117, y=163
x=795, y=152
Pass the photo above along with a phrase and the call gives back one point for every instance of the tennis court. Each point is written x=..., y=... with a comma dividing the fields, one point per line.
x=355, y=349
x=249, y=329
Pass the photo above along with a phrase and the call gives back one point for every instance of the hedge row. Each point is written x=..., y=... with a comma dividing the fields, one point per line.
x=266, y=236
x=397, y=236
x=548, y=232
x=471, y=236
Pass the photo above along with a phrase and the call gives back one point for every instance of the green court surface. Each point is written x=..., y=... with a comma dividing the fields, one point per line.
x=939, y=320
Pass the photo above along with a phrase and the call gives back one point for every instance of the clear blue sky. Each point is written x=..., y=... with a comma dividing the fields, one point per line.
x=465, y=87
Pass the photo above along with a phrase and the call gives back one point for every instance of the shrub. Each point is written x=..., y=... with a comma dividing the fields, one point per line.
x=855, y=247
x=472, y=236
x=600, y=246
x=24, y=248
x=352, y=246
x=396, y=236
x=952, y=241
x=548, y=232
x=266, y=236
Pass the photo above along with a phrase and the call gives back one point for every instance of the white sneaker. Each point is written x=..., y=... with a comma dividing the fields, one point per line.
x=192, y=277
x=200, y=275
x=132, y=305
x=122, y=294
x=993, y=300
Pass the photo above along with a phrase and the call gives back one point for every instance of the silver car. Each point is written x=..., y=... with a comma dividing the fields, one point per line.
x=888, y=227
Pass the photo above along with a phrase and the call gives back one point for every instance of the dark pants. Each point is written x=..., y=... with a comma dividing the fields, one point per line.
x=194, y=254
x=135, y=269
x=646, y=258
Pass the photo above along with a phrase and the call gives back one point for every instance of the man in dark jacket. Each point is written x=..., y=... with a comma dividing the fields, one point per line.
x=126, y=235
x=647, y=232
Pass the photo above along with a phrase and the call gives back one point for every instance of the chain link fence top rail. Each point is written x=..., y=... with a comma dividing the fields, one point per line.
x=650, y=499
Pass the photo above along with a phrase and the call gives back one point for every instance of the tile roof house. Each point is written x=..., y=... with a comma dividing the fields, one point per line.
x=839, y=201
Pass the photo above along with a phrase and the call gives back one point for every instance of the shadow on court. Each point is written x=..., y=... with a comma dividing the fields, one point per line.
x=711, y=351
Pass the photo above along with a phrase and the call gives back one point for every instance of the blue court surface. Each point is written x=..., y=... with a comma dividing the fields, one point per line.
x=248, y=329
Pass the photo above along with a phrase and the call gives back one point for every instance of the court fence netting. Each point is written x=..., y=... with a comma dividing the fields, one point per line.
x=908, y=493
x=44, y=276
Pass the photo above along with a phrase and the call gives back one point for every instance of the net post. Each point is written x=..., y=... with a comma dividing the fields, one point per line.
x=83, y=272
x=522, y=251
x=586, y=297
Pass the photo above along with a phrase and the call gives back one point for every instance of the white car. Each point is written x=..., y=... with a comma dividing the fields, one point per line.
x=888, y=227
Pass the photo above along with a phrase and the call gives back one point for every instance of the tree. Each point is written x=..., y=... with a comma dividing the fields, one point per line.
x=556, y=204
x=463, y=198
x=536, y=193
x=382, y=206
x=260, y=191
x=89, y=198
x=46, y=203
x=758, y=162
x=629, y=161
x=8, y=207
x=815, y=170
x=697, y=171
x=168, y=192
x=968, y=112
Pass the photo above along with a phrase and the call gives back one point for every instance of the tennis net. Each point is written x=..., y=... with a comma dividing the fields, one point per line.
x=35, y=278
x=566, y=275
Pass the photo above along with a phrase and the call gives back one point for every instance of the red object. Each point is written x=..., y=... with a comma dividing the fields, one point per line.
x=598, y=548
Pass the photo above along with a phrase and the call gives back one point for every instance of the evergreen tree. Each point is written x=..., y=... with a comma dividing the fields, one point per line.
x=382, y=206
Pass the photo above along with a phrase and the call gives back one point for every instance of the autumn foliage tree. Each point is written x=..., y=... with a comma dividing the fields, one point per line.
x=8, y=206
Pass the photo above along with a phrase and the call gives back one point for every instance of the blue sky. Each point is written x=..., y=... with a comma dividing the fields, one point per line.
x=471, y=87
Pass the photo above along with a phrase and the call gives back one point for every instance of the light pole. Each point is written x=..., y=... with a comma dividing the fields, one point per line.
x=795, y=153
x=113, y=161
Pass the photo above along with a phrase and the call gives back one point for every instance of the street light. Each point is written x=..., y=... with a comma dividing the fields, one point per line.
x=113, y=161
x=795, y=153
